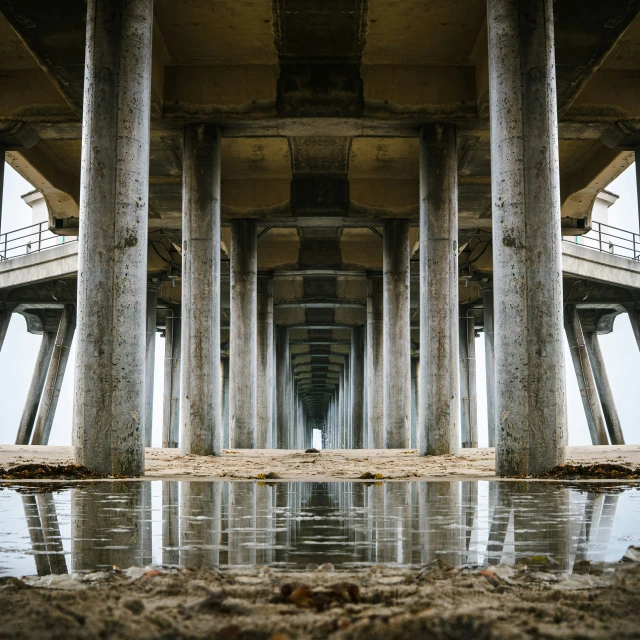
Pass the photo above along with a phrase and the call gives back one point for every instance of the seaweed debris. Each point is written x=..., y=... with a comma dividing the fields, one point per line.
x=48, y=472
x=601, y=471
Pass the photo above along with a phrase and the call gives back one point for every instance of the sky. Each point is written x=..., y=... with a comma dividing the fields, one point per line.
x=18, y=355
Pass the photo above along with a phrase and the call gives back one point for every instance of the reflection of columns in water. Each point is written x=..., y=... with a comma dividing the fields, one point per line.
x=469, y=517
x=265, y=524
x=170, y=522
x=106, y=526
x=441, y=524
x=200, y=524
x=146, y=525
x=595, y=531
x=51, y=531
x=36, y=534
x=242, y=523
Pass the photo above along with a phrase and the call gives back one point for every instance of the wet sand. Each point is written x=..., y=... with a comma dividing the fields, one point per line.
x=437, y=602
x=327, y=465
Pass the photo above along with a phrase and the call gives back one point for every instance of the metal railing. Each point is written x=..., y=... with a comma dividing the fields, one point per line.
x=31, y=239
x=608, y=239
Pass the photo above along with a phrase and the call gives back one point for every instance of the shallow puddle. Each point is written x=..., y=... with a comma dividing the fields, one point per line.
x=296, y=524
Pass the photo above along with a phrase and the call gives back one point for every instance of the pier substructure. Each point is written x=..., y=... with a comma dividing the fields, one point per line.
x=584, y=375
x=55, y=376
x=150, y=359
x=468, y=396
x=282, y=382
x=243, y=335
x=200, y=407
x=375, y=370
x=527, y=255
x=357, y=387
x=108, y=433
x=34, y=394
x=397, y=338
x=438, y=395
x=172, y=355
x=264, y=380
x=489, y=360
x=605, y=393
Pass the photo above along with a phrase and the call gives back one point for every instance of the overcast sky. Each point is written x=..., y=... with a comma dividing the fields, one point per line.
x=20, y=348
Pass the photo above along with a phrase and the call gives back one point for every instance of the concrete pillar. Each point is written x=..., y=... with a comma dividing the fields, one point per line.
x=172, y=355
x=357, y=385
x=584, y=374
x=604, y=388
x=150, y=359
x=108, y=432
x=397, y=338
x=55, y=376
x=243, y=340
x=226, y=422
x=375, y=372
x=200, y=405
x=527, y=253
x=5, y=319
x=265, y=382
x=468, y=401
x=415, y=367
x=438, y=396
x=489, y=360
x=35, y=389
x=282, y=382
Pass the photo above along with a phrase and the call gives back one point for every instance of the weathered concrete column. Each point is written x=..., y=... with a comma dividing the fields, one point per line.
x=5, y=319
x=397, y=337
x=489, y=360
x=265, y=382
x=375, y=372
x=468, y=398
x=584, y=374
x=415, y=392
x=172, y=355
x=357, y=386
x=243, y=341
x=35, y=389
x=200, y=406
x=150, y=359
x=108, y=432
x=226, y=423
x=438, y=395
x=527, y=253
x=282, y=382
x=604, y=388
x=55, y=376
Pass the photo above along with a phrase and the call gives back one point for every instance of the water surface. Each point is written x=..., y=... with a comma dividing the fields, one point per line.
x=292, y=525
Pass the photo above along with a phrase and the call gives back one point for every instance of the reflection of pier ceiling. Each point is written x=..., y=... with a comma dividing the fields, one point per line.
x=316, y=194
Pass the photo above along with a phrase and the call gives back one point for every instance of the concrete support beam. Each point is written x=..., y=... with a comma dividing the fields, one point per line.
x=415, y=392
x=468, y=396
x=243, y=340
x=55, y=376
x=584, y=374
x=34, y=394
x=108, y=432
x=438, y=411
x=397, y=340
x=264, y=382
x=375, y=371
x=357, y=387
x=150, y=359
x=282, y=383
x=489, y=360
x=527, y=254
x=172, y=356
x=200, y=406
x=607, y=400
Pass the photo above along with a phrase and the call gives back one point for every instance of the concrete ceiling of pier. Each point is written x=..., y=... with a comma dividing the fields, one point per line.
x=320, y=105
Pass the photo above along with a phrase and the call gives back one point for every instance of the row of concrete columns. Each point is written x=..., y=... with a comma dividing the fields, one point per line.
x=529, y=401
